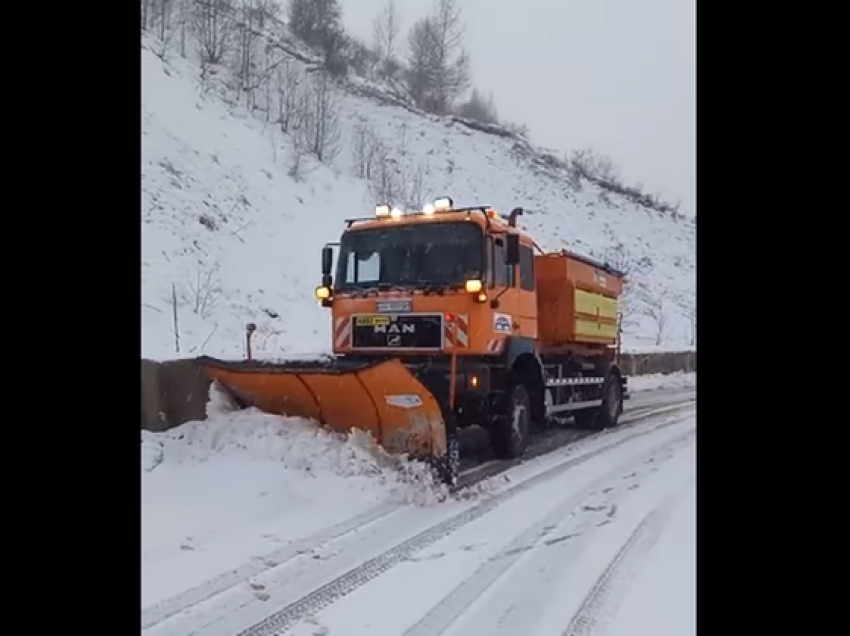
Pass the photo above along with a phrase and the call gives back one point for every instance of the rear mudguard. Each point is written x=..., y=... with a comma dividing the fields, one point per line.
x=381, y=397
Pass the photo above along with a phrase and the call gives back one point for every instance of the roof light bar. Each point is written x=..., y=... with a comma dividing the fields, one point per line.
x=443, y=203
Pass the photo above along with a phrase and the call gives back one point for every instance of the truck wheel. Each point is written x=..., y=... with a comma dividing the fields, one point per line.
x=612, y=400
x=509, y=432
x=448, y=466
x=607, y=415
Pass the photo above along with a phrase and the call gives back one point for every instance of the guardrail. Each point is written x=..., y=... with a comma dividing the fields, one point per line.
x=176, y=391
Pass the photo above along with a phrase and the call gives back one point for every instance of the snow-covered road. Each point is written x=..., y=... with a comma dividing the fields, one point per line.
x=254, y=527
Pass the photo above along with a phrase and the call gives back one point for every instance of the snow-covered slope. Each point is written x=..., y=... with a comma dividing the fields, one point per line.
x=229, y=237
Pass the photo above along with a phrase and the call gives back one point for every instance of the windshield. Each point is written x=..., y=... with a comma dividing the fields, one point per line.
x=440, y=254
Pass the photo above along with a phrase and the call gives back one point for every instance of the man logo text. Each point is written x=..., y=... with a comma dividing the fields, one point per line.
x=395, y=328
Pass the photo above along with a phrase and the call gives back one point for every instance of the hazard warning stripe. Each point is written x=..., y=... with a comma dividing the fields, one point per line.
x=461, y=323
x=494, y=346
x=342, y=332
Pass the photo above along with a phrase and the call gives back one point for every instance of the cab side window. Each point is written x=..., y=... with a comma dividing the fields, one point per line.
x=502, y=275
x=526, y=268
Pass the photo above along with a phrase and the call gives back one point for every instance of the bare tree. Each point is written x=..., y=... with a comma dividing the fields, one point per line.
x=479, y=108
x=319, y=24
x=356, y=55
x=421, y=61
x=520, y=130
x=204, y=290
x=438, y=63
x=255, y=63
x=693, y=319
x=628, y=306
x=386, y=28
x=146, y=13
x=414, y=187
x=247, y=40
x=268, y=10
x=385, y=185
x=619, y=258
x=321, y=130
x=690, y=308
x=184, y=20
x=165, y=19
x=175, y=324
x=163, y=11
x=290, y=96
x=452, y=71
x=297, y=158
x=165, y=29
x=394, y=185
x=213, y=28
x=593, y=165
x=367, y=151
x=655, y=308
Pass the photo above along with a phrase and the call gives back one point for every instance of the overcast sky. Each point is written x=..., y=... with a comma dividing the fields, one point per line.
x=617, y=75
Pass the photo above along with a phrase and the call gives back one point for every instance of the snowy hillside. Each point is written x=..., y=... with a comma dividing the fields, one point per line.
x=233, y=223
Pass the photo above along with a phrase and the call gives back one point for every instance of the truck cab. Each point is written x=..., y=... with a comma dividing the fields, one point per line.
x=405, y=283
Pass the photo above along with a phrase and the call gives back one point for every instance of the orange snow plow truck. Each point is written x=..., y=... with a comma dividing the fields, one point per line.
x=446, y=318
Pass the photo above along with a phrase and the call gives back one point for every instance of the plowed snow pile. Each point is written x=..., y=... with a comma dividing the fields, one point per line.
x=655, y=381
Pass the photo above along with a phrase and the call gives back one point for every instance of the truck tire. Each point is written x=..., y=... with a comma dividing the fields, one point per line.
x=510, y=431
x=448, y=466
x=612, y=402
x=607, y=415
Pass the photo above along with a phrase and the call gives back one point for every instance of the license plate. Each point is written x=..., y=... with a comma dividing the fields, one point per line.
x=394, y=306
x=371, y=321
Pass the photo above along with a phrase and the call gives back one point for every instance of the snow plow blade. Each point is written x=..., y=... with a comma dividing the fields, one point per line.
x=381, y=397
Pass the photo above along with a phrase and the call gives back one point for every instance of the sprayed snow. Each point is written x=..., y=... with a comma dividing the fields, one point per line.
x=228, y=237
x=657, y=381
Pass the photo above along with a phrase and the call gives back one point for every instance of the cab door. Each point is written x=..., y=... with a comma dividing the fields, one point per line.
x=526, y=292
x=504, y=320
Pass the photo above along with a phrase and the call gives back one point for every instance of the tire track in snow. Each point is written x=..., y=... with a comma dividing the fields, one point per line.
x=610, y=588
x=320, y=598
x=571, y=518
x=162, y=610
x=539, y=448
x=536, y=585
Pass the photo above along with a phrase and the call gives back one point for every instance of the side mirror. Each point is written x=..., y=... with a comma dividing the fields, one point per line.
x=512, y=249
x=327, y=265
x=327, y=260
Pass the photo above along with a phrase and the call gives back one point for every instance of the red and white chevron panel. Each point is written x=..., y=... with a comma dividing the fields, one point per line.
x=456, y=331
x=342, y=333
x=494, y=346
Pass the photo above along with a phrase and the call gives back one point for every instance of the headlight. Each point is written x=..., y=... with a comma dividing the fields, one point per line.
x=474, y=286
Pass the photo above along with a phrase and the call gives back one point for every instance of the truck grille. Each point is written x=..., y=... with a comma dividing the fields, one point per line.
x=397, y=331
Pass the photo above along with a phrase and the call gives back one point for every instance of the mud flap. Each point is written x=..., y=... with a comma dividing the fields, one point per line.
x=382, y=397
